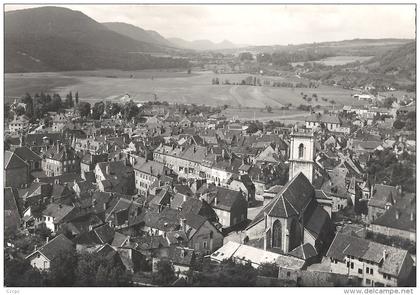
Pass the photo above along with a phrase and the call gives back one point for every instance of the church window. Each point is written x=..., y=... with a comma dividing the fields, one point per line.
x=276, y=234
x=301, y=150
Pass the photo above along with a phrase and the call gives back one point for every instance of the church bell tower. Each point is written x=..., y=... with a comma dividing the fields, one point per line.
x=302, y=146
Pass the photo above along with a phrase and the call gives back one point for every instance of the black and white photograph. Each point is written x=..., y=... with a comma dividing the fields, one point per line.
x=209, y=145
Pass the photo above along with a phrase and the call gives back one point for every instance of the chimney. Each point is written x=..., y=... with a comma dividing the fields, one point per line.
x=47, y=240
x=104, y=206
x=215, y=201
x=107, y=169
x=412, y=216
x=223, y=153
x=58, y=146
x=397, y=214
x=184, y=198
x=151, y=170
x=35, y=247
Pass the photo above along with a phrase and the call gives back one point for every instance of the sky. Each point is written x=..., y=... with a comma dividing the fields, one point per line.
x=260, y=24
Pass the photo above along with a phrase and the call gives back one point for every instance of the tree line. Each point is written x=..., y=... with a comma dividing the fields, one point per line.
x=68, y=269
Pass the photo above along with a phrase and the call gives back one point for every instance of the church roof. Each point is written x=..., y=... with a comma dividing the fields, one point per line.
x=292, y=199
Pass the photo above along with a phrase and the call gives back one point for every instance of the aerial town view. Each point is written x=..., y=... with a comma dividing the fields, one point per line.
x=210, y=146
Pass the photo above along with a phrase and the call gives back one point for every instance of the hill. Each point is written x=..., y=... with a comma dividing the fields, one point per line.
x=392, y=68
x=202, y=44
x=138, y=33
x=400, y=61
x=57, y=39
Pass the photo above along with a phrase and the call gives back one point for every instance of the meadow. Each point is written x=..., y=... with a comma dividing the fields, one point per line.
x=337, y=60
x=170, y=86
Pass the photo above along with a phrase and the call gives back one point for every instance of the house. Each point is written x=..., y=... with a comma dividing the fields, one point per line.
x=98, y=235
x=41, y=142
x=59, y=121
x=31, y=158
x=16, y=170
x=202, y=235
x=19, y=123
x=59, y=159
x=182, y=259
x=55, y=214
x=89, y=161
x=373, y=263
x=230, y=206
x=330, y=122
x=146, y=173
x=382, y=198
x=115, y=177
x=41, y=258
x=244, y=184
x=398, y=221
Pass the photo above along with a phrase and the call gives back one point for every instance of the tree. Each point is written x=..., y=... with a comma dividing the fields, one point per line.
x=62, y=269
x=76, y=97
x=269, y=109
x=227, y=274
x=130, y=110
x=19, y=273
x=98, y=110
x=69, y=100
x=29, y=103
x=245, y=56
x=97, y=270
x=84, y=109
x=55, y=104
x=398, y=124
x=268, y=270
x=165, y=274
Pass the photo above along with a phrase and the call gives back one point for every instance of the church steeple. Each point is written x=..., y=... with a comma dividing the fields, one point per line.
x=302, y=147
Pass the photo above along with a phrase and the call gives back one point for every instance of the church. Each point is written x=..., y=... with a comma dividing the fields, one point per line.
x=293, y=217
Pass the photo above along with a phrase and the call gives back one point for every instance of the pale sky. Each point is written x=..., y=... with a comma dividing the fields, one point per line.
x=260, y=24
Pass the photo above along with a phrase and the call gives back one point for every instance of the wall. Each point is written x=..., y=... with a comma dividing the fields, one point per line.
x=39, y=262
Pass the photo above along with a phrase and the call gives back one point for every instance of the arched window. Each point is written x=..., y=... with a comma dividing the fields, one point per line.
x=276, y=234
x=301, y=150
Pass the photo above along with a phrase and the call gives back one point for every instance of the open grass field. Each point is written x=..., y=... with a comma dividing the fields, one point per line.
x=286, y=116
x=168, y=86
x=337, y=60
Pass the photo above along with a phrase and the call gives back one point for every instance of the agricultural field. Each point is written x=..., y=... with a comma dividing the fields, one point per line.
x=337, y=60
x=286, y=116
x=172, y=87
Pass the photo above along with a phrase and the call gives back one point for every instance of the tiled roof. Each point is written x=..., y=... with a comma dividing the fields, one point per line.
x=54, y=247
x=402, y=216
x=13, y=161
x=26, y=154
x=391, y=258
x=383, y=194
x=304, y=251
x=224, y=198
x=57, y=211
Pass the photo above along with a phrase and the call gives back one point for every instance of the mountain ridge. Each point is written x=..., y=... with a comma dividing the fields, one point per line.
x=56, y=39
